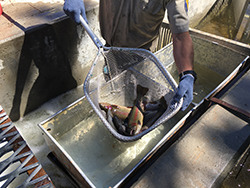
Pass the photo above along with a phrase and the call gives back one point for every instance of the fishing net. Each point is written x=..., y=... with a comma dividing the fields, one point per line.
x=114, y=77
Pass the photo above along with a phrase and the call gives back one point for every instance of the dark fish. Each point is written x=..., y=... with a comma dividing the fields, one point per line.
x=155, y=105
x=121, y=128
x=139, y=101
x=150, y=117
x=152, y=106
x=156, y=116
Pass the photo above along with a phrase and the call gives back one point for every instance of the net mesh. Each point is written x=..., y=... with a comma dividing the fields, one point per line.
x=114, y=77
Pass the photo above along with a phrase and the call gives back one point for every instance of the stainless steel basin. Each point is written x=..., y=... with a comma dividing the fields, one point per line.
x=95, y=158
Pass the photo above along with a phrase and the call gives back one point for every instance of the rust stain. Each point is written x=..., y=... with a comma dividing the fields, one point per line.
x=198, y=156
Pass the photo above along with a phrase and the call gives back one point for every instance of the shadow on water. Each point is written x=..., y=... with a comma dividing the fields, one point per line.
x=41, y=47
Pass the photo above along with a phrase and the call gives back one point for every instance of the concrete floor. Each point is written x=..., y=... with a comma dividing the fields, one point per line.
x=207, y=152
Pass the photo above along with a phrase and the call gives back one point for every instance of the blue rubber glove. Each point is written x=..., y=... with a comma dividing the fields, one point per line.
x=75, y=8
x=185, y=90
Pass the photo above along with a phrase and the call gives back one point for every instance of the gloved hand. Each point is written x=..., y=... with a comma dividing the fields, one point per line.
x=185, y=90
x=75, y=8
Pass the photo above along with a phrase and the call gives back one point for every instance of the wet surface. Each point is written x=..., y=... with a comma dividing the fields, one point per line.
x=223, y=24
x=239, y=176
x=220, y=23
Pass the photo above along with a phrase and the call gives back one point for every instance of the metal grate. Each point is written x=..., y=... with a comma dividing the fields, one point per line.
x=15, y=153
x=164, y=38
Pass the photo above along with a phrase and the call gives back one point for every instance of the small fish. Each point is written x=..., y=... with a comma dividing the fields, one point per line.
x=156, y=115
x=121, y=112
x=135, y=117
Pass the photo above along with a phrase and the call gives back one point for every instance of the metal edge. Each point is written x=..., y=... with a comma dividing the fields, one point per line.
x=225, y=81
x=181, y=122
x=59, y=146
x=162, y=49
x=156, y=147
x=229, y=43
x=163, y=140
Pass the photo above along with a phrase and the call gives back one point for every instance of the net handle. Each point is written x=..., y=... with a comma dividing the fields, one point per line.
x=92, y=35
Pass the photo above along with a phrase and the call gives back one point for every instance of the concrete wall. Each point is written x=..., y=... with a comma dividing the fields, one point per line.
x=44, y=61
x=44, y=54
x=240, y=7
x=199, y=9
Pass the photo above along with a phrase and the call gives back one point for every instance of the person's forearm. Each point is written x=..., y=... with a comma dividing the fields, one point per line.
x=183, y=51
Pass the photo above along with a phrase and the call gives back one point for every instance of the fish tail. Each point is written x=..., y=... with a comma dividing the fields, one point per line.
x=141, y=91
x=138, y=129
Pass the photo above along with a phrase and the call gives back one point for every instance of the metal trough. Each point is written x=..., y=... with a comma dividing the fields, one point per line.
x=94, y=158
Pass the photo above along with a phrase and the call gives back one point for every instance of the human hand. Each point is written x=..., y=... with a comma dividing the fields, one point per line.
x=185, y=90
x=75, y=8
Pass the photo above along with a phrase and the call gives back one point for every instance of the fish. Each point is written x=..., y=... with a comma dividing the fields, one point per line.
x=155, y=105
x=109, y=117
x=156, y=115
x=152, y=106
x=121, y=112
x=116, y=123
x=135, y=117
x=135, y=120
x=139, y=101
x=150, y=117
x=121, y=128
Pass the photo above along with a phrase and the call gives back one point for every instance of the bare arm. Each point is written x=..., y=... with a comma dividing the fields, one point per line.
x=183, y=51
x=184, y=57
